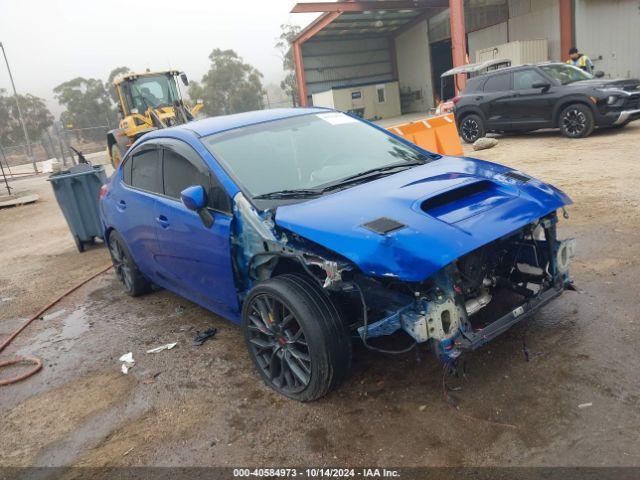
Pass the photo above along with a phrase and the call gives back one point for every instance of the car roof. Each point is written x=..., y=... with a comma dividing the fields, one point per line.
x=211, y=125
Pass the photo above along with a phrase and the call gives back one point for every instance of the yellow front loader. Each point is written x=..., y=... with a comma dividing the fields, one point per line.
x=147, y=101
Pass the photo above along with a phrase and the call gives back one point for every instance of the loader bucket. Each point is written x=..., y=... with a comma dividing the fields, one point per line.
x=436, y=134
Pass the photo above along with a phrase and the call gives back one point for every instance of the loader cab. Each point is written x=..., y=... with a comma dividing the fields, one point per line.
x=147, y=91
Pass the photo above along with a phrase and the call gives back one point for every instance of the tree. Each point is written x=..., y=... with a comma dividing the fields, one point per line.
x=36, y=115
x=112, y=76
x=230, y=85
x=87, y=103
x=287, y=36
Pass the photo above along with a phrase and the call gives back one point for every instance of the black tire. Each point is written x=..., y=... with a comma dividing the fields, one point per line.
x=472, y=128
x=116, y=156
x=133, y=282
x=296, y=338
x=576, y=121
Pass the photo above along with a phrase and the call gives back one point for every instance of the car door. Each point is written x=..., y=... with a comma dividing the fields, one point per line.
x=494, y=100
x=195, y=259
x=135, y=202
x=531, y=107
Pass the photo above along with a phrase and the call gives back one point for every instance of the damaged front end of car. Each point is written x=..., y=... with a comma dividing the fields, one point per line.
x=478, y=296
x=460, y=307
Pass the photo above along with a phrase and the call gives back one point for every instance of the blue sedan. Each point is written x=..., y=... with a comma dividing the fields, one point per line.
x=313, y=229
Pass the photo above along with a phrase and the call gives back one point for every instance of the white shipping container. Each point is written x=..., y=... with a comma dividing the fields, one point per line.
x=519, y=52
x=371, y=101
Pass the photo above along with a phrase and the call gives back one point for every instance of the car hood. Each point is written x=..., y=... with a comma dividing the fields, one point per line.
x=442, y=210
x=630, y=84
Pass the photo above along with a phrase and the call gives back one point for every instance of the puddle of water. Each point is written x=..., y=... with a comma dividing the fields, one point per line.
x=56, y=314
x=73, y=326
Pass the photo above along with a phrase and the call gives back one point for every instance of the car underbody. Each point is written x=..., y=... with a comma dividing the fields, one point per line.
x=459, y=308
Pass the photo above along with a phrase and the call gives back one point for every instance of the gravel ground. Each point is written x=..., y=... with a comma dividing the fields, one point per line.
x=206, y=406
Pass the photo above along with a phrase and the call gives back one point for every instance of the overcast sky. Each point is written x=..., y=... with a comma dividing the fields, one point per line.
x=51, y=41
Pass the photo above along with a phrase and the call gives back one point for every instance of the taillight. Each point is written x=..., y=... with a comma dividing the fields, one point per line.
x=103, y=191
x=456, y=99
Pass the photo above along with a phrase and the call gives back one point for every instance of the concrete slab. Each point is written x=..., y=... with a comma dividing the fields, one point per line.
x=18, y=199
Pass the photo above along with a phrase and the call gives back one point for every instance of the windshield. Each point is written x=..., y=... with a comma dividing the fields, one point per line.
x=307, y=152
x=151, y=92
x=566, y=73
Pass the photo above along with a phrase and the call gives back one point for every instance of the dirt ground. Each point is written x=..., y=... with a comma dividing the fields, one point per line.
x=206, y=406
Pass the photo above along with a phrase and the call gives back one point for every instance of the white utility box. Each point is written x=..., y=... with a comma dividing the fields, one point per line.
x=371, y=102
x=519, y=52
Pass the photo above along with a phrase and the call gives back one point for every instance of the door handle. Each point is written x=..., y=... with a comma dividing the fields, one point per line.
x=478, y=98
x=122, y=205
x=163, y=221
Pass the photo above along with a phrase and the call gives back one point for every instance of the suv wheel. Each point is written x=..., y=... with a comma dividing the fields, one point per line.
x=576, y=121
x=126, y=270
x=296, y=337
x=472, y=128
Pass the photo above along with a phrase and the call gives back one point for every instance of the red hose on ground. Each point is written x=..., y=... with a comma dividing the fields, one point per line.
x=36, y=361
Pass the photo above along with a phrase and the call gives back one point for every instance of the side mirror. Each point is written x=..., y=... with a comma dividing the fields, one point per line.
x=185, y=80
x=543, y=85
x=598, y=74
x=195, y=199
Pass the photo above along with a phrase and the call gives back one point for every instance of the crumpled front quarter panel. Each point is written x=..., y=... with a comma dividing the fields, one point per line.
x=430, y=240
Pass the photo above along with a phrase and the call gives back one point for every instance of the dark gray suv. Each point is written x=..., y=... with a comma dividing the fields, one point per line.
x=549, y=95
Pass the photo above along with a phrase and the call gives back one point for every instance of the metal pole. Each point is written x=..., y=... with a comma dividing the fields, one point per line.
x=6, y=182
x=15, y=95
x=4, y=157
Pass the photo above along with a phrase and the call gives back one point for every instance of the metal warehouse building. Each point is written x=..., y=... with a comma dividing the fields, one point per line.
x=385, y=57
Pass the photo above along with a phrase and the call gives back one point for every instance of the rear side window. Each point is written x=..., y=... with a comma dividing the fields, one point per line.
x=498, y=83
x=180, y=173
x=145, y=171
x=523, y=79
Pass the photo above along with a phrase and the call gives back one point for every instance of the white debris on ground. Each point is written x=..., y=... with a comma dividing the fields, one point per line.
x=585, y=405
x=127, y=362
x=484, y=143
x=168, y=346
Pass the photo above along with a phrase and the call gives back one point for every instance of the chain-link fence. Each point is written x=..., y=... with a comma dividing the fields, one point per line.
x=56, y=143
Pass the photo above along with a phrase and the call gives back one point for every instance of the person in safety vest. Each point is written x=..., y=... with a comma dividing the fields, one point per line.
x=580, y=60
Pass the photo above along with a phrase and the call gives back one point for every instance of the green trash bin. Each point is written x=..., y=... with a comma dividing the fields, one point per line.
x=77, y=191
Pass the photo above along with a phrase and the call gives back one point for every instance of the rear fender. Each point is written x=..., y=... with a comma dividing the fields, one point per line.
x=469, y=111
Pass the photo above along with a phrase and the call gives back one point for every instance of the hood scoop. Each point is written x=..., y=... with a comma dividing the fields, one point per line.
x=465, y=201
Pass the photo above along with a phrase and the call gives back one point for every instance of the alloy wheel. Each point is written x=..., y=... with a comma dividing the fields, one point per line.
x=574, y=122
x=120, y=264
x=470, y=129
x=278, y=343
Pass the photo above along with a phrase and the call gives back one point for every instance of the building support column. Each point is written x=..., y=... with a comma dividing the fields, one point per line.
x=301, y=82
x=566, y=27
x=458, y=40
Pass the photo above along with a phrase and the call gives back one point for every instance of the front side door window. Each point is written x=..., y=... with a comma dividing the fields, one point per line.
x=531, y=106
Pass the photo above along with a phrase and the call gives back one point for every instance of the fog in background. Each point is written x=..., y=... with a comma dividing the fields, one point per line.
x=51, y=41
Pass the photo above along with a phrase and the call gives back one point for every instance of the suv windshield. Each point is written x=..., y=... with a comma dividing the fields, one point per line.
x=566, y=73
x=151, y=92
x=307, y=153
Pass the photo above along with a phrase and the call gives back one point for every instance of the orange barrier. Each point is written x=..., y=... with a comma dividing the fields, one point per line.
x=436, y=134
